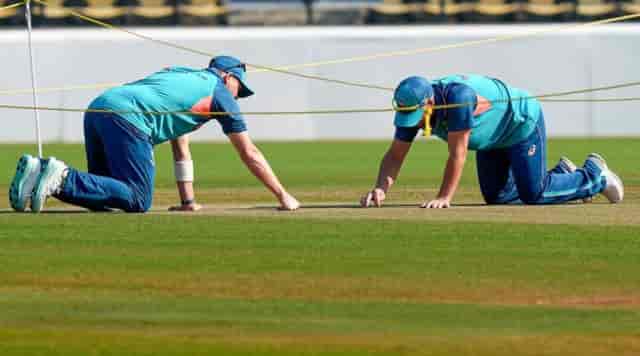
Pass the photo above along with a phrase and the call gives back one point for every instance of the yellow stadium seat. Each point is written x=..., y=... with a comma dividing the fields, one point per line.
x=632, y=7
x=548, y=8
x=451, y=8
x=153, y=9
x=103, y=9
x=495, y=7
x=595, y=8
x=417, y=11
x=54, y=10
x=448, y=8
x=8, y=13
x=203, y=8
x=395, y=7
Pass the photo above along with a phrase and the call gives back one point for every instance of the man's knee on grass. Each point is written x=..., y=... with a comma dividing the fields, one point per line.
x=140, y=204
x=499, y=197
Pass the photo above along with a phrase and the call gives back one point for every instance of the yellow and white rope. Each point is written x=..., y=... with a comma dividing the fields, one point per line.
x=18, y=4
x=287, y=69
x=543, y=97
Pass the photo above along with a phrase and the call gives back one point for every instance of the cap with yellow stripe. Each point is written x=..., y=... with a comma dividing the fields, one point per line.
x=409, y=101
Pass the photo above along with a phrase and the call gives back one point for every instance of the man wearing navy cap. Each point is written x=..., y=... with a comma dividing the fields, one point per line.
x=506, y=129
x=129, y=121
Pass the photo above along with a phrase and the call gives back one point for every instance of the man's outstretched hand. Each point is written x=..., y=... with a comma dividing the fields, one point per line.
x=439, y=203
x=187, y=207
x=288, y=202
x=374, y=197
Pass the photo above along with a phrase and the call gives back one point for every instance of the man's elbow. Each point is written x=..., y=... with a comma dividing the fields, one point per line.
x=249, y=154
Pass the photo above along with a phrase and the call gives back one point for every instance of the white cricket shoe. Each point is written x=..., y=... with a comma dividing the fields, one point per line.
x=614, y=190
x=568, y=166
x=49, y=182
x=24, y=180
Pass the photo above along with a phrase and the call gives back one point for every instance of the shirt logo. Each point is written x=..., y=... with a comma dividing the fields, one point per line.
x=532, y=150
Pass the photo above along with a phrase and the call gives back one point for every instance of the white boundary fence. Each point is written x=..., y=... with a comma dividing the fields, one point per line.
x=562, y=60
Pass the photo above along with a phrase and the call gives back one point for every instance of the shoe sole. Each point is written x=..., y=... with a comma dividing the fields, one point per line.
x=23, y=182
x=603, y=165
x=37, y=198
x=618, y=182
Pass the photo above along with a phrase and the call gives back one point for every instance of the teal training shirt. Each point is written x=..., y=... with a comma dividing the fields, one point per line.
x=498, y=125
x=174, y=89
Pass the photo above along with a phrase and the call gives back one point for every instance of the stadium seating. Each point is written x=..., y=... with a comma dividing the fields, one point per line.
x=10, y=16
x=496, y=10
x=154, y=12
x=294, y=12
x=60, y=12
x=103, y=9
x=595, y=9
x=549, y=10
x=201, y=12
x=56, y=12
x=631, y=7
x=457, y=10
x=405, y=11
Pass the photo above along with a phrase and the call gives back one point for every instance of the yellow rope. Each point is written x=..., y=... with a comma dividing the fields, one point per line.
x=603, y=100
x=213, y=113
x=544, y=97
x=59, y=89
x=455, y=45
x=195, y=51
x=18, y=4
x=284, y=70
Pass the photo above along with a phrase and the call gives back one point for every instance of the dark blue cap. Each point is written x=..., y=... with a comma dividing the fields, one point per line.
x=411, y=92
x=233, y=66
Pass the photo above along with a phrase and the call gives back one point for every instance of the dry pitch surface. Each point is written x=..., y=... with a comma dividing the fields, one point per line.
x=468, y=207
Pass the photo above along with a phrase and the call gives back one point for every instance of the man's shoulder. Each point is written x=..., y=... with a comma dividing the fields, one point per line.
x=181, y=69
x=184, y=73
x=456, y=92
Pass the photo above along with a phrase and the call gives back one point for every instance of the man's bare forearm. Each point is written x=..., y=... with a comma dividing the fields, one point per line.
x=391, y=164
x=259, y=167
x=389, y=169
x=182, y=153
x=451, y=178
x=257, y=163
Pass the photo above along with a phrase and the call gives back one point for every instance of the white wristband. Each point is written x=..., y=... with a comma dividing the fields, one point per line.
x=183, y=171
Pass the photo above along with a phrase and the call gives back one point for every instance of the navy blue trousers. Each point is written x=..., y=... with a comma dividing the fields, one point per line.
x=121, y=167
x=518, y=174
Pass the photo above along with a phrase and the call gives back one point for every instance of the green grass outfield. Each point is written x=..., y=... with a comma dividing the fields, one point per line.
x=243, y=279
